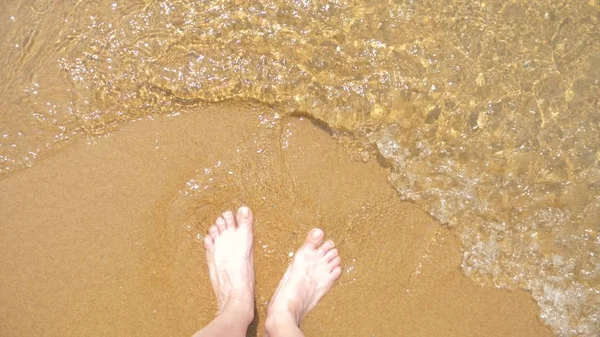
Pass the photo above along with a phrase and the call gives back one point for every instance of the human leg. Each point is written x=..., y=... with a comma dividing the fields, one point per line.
x=230, y=259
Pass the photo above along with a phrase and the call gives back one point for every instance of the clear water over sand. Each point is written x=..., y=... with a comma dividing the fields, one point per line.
x=486, y=114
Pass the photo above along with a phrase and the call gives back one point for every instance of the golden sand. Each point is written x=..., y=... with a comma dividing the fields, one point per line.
x=101, y=238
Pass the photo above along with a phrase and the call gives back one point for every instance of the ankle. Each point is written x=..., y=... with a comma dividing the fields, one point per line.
x=283, y=309
x=276, y=320
x=240, y=309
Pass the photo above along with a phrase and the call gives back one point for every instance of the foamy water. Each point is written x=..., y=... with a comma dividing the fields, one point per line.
x=487, y=113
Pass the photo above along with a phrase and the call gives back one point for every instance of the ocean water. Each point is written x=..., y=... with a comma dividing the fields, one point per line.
x=486, y=113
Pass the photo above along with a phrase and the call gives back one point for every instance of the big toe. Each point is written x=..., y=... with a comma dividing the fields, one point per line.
x=244, y=218
x=314, y=238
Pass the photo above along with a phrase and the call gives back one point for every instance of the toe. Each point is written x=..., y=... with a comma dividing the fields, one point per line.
x=336, y=272
x=326, y=247
x=330, y=255
x=209, y=243
x=221, y=225
x=213, y=231
x=314, y=238
x=335, y=262
x=244, y=218
x=229, y=222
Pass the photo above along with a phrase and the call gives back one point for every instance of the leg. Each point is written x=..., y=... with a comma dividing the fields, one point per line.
x=230, y=259
x=307, y=279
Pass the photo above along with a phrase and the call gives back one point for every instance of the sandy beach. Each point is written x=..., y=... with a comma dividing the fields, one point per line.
x=101, y=238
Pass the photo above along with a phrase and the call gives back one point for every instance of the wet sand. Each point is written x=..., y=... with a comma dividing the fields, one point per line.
x=97, y=239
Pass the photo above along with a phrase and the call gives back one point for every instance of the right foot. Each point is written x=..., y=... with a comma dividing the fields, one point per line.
x=310, y=276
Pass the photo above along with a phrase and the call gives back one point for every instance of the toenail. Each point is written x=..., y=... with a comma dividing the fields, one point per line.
x=316, y=233
x=244, y=211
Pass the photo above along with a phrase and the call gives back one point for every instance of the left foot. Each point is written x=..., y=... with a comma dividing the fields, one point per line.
x=230, y=258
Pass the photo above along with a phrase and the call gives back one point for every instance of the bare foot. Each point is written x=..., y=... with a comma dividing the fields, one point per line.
x=230, y=258
x=307, y=279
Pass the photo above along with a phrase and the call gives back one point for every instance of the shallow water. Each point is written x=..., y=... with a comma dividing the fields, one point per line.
x=487, y=114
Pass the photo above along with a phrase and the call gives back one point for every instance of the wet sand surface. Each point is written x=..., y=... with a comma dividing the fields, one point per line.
x=101, y=238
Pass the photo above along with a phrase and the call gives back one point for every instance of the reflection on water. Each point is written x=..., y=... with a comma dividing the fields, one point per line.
x=487, y=113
